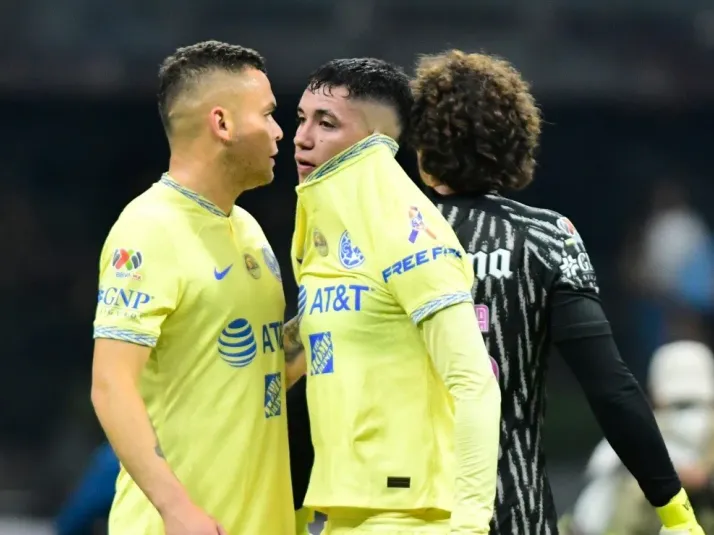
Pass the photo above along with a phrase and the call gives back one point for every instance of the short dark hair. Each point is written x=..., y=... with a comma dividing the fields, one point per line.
x=474, y=122
x=185, y=66
x=367, y=79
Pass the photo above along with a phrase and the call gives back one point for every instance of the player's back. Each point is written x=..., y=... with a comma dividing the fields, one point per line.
x=204, y=290
x=520, y=256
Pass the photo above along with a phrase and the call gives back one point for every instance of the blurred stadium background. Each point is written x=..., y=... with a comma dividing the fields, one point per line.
x=626, y=87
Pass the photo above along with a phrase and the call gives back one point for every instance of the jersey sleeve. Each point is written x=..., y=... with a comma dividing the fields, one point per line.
x=297, y=251
x=563, y=255
x=422, y=264
x=459, y=354
x=138, y=282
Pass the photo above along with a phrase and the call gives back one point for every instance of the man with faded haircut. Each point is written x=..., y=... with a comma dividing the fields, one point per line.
x=403, y=405
x=189, y=374
x=475, y=126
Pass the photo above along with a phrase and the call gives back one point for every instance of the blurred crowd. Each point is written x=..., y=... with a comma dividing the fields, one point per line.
x=668, y=266
x=681, y=386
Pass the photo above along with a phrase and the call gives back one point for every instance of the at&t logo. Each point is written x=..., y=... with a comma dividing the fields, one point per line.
x=236, y=343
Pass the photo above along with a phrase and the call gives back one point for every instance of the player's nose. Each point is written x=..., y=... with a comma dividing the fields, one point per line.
x=302, y=139
x=277, y=131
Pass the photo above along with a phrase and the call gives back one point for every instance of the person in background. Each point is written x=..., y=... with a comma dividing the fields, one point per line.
x=671, y=287
x=476, y=127
x=91, y=500
x=681, y=382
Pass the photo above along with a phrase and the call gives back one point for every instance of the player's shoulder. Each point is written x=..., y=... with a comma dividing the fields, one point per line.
x=401, y=195
x=148, y=215
x=246, y=220
x=408, y=210
x=152, y=203
x=241, y=214
x=539, y=224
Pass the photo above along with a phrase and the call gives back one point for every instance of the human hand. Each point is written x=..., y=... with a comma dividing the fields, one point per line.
x=190, y=520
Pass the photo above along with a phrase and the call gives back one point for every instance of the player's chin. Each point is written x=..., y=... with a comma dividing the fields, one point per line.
x=260, y=180
x=267, y=178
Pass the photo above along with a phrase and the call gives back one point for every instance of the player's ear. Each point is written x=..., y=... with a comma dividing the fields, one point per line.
x=426, y=178
x=220, y=123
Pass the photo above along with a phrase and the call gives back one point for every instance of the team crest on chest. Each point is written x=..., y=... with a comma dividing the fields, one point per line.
x=251, y=264
x=350, y=255
x=271, y=262
x=318, y=239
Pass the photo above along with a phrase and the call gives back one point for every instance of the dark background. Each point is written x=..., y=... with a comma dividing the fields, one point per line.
x=626, y=93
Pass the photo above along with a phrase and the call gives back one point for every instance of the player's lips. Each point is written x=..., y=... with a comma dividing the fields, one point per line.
x=304, y=166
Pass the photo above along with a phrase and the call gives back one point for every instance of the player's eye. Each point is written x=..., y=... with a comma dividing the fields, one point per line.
x=299, y=120
x=327, y=125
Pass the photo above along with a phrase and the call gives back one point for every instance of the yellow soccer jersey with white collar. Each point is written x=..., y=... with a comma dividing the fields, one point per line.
x=373, y=257
x=203, y=290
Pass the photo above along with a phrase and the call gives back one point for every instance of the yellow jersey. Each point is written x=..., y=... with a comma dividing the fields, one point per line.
x=203, y=290
x=373, y=257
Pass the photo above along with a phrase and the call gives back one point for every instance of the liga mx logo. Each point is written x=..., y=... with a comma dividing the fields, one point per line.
x=567, y=226
x=125, y=261
x=236, y=344
x=350, y=256
x=418, y=225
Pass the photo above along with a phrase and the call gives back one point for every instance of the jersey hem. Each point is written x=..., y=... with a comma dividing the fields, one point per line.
x=435, y=305
x=368, y=509
x=126, y=335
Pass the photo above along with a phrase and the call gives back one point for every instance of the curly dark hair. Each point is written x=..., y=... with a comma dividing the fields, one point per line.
x=474, y=122
x=367, y=79
x=188, y=64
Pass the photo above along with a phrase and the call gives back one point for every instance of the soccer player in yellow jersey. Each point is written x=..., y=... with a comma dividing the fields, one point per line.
x=190, y=314
x=404, y=407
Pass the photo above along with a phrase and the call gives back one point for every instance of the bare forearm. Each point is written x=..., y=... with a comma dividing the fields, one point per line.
x=291, y=340
x=295, y=365
x=459, y=354
x=124, y=419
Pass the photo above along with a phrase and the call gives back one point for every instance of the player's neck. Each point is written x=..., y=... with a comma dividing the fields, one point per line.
x=208, y=179
x=443, y=189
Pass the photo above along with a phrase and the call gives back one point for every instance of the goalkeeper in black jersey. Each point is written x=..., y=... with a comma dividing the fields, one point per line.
x=475, y=127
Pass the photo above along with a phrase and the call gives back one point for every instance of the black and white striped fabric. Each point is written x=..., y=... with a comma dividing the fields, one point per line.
x=520, y=255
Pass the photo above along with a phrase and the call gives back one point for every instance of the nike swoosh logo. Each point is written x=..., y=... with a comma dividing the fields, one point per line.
x=220, y=275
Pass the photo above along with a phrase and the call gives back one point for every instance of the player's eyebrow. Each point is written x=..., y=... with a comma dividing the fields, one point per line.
x=319, y=113
x=270, y=108
x=324, y=112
